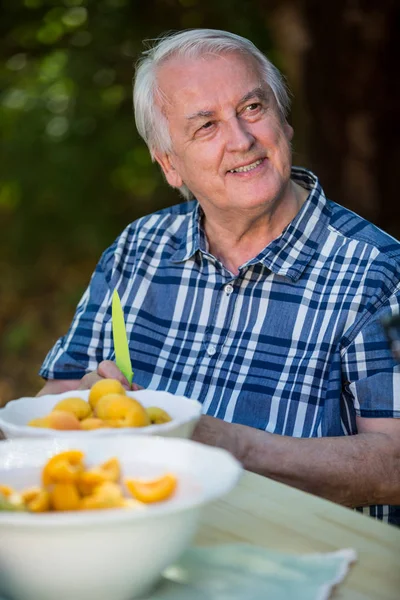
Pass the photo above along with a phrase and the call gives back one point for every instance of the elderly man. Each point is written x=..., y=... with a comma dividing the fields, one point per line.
x=259, y=297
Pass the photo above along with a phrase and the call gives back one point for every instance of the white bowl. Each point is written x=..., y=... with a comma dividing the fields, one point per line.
x=15, y=415
x=113, y=554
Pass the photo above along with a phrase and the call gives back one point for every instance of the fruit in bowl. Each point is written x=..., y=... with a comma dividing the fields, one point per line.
x=87, y=552
x=108, y=406
x=67, y=484
x=105, y=409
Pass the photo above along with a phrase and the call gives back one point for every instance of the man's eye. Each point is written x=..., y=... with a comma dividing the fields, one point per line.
x=254, y=106
x=207, y=125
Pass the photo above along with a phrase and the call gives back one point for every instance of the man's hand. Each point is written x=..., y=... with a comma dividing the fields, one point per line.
x=215, y=432
x=106, y=370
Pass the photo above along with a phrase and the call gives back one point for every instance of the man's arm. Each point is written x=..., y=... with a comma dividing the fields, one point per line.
x=357, y=470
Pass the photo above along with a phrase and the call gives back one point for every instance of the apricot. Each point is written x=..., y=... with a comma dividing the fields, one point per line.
x=154, y=490
x=121, y=411
x=92, y=423
x=65, y=496
x=76, y=406
x=63, y=420
x=131, y=503
x=64, y=467
x=102, y=388
x=106, y=495
x=36, y=499
x=40, y=422
x=91, y=478
x=6, y=490
x=158, y=415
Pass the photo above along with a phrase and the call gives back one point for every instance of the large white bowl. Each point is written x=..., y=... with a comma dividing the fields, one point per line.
x=15, y=415
x=113, y=554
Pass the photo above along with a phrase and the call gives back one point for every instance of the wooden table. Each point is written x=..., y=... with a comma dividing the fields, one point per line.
x=266, y=513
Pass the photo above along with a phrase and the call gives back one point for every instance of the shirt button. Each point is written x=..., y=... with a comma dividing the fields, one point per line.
x=228, y=289
x=211, y=350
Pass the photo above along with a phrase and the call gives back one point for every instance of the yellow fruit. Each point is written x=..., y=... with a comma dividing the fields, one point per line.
x=63, y=420
x=121, y=411
x=64, y=467
x=65, y=496
x=6, y=490
x=158, y=415
x=40, y=422
x=36, y=499
x=154, y=490
x=106, y=495
x=92, y=478
x=76, y=406
x=92, y=423
x=102, y=388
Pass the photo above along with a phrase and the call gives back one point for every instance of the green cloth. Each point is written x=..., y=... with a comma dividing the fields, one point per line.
x=245, y=572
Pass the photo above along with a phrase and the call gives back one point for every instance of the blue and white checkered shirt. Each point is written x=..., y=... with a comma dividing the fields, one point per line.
x=292, y=345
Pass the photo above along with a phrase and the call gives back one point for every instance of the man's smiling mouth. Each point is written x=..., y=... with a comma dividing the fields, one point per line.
x=246, y=168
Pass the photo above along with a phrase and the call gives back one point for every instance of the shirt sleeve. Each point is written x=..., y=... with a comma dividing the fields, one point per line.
x=84, y=346
x=371, y=373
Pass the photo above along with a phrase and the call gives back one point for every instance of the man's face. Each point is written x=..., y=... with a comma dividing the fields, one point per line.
x=230, y=146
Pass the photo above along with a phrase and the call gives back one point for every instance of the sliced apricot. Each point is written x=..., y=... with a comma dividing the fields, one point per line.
x=158, y=415
x=36, y=499
x=64, y=467
x=91, y=478
x=102, y=388
x=6, y=490
x=76, y=406
x=121, y=411
x=154, y=490
x=132, y=503
x=106, y=495
x=64, y=496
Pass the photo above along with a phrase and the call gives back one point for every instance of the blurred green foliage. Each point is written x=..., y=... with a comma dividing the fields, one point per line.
x=73, y=171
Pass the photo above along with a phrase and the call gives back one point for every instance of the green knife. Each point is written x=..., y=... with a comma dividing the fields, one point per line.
x=122, y=357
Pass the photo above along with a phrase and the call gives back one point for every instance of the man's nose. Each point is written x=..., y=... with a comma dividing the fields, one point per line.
x=238, y=136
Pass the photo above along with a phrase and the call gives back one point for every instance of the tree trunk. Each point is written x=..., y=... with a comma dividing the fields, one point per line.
x=340, y=60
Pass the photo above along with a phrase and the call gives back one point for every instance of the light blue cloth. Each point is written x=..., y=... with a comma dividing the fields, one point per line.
x=244, y=572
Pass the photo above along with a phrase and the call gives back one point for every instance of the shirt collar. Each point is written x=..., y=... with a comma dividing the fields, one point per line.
x=193, y=239
x=289, y=254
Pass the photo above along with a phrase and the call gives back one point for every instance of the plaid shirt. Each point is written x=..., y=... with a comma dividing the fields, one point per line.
x=292, y=345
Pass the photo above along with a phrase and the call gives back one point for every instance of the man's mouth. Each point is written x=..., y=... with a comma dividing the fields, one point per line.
x=246, y=168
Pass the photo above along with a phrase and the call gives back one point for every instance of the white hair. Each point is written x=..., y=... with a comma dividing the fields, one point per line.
x=151, y=123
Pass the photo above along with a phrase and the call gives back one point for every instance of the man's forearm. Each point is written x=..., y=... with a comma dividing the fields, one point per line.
x=357, y=470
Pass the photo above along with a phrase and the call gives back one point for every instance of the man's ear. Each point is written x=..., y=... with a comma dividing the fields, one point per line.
x=167, y=165
x=289, y=131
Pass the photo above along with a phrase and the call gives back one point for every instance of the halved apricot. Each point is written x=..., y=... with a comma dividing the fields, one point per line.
x=154, y=490
x=106, y=495
x=6, y=490
x=92, y=478
x=36, y=499
x=64, y=467
x=64, y=496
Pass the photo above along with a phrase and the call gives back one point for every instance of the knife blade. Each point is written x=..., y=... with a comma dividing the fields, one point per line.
x=121, y=347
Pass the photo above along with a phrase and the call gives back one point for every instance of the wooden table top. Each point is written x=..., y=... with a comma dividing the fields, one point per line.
x=266, y=513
